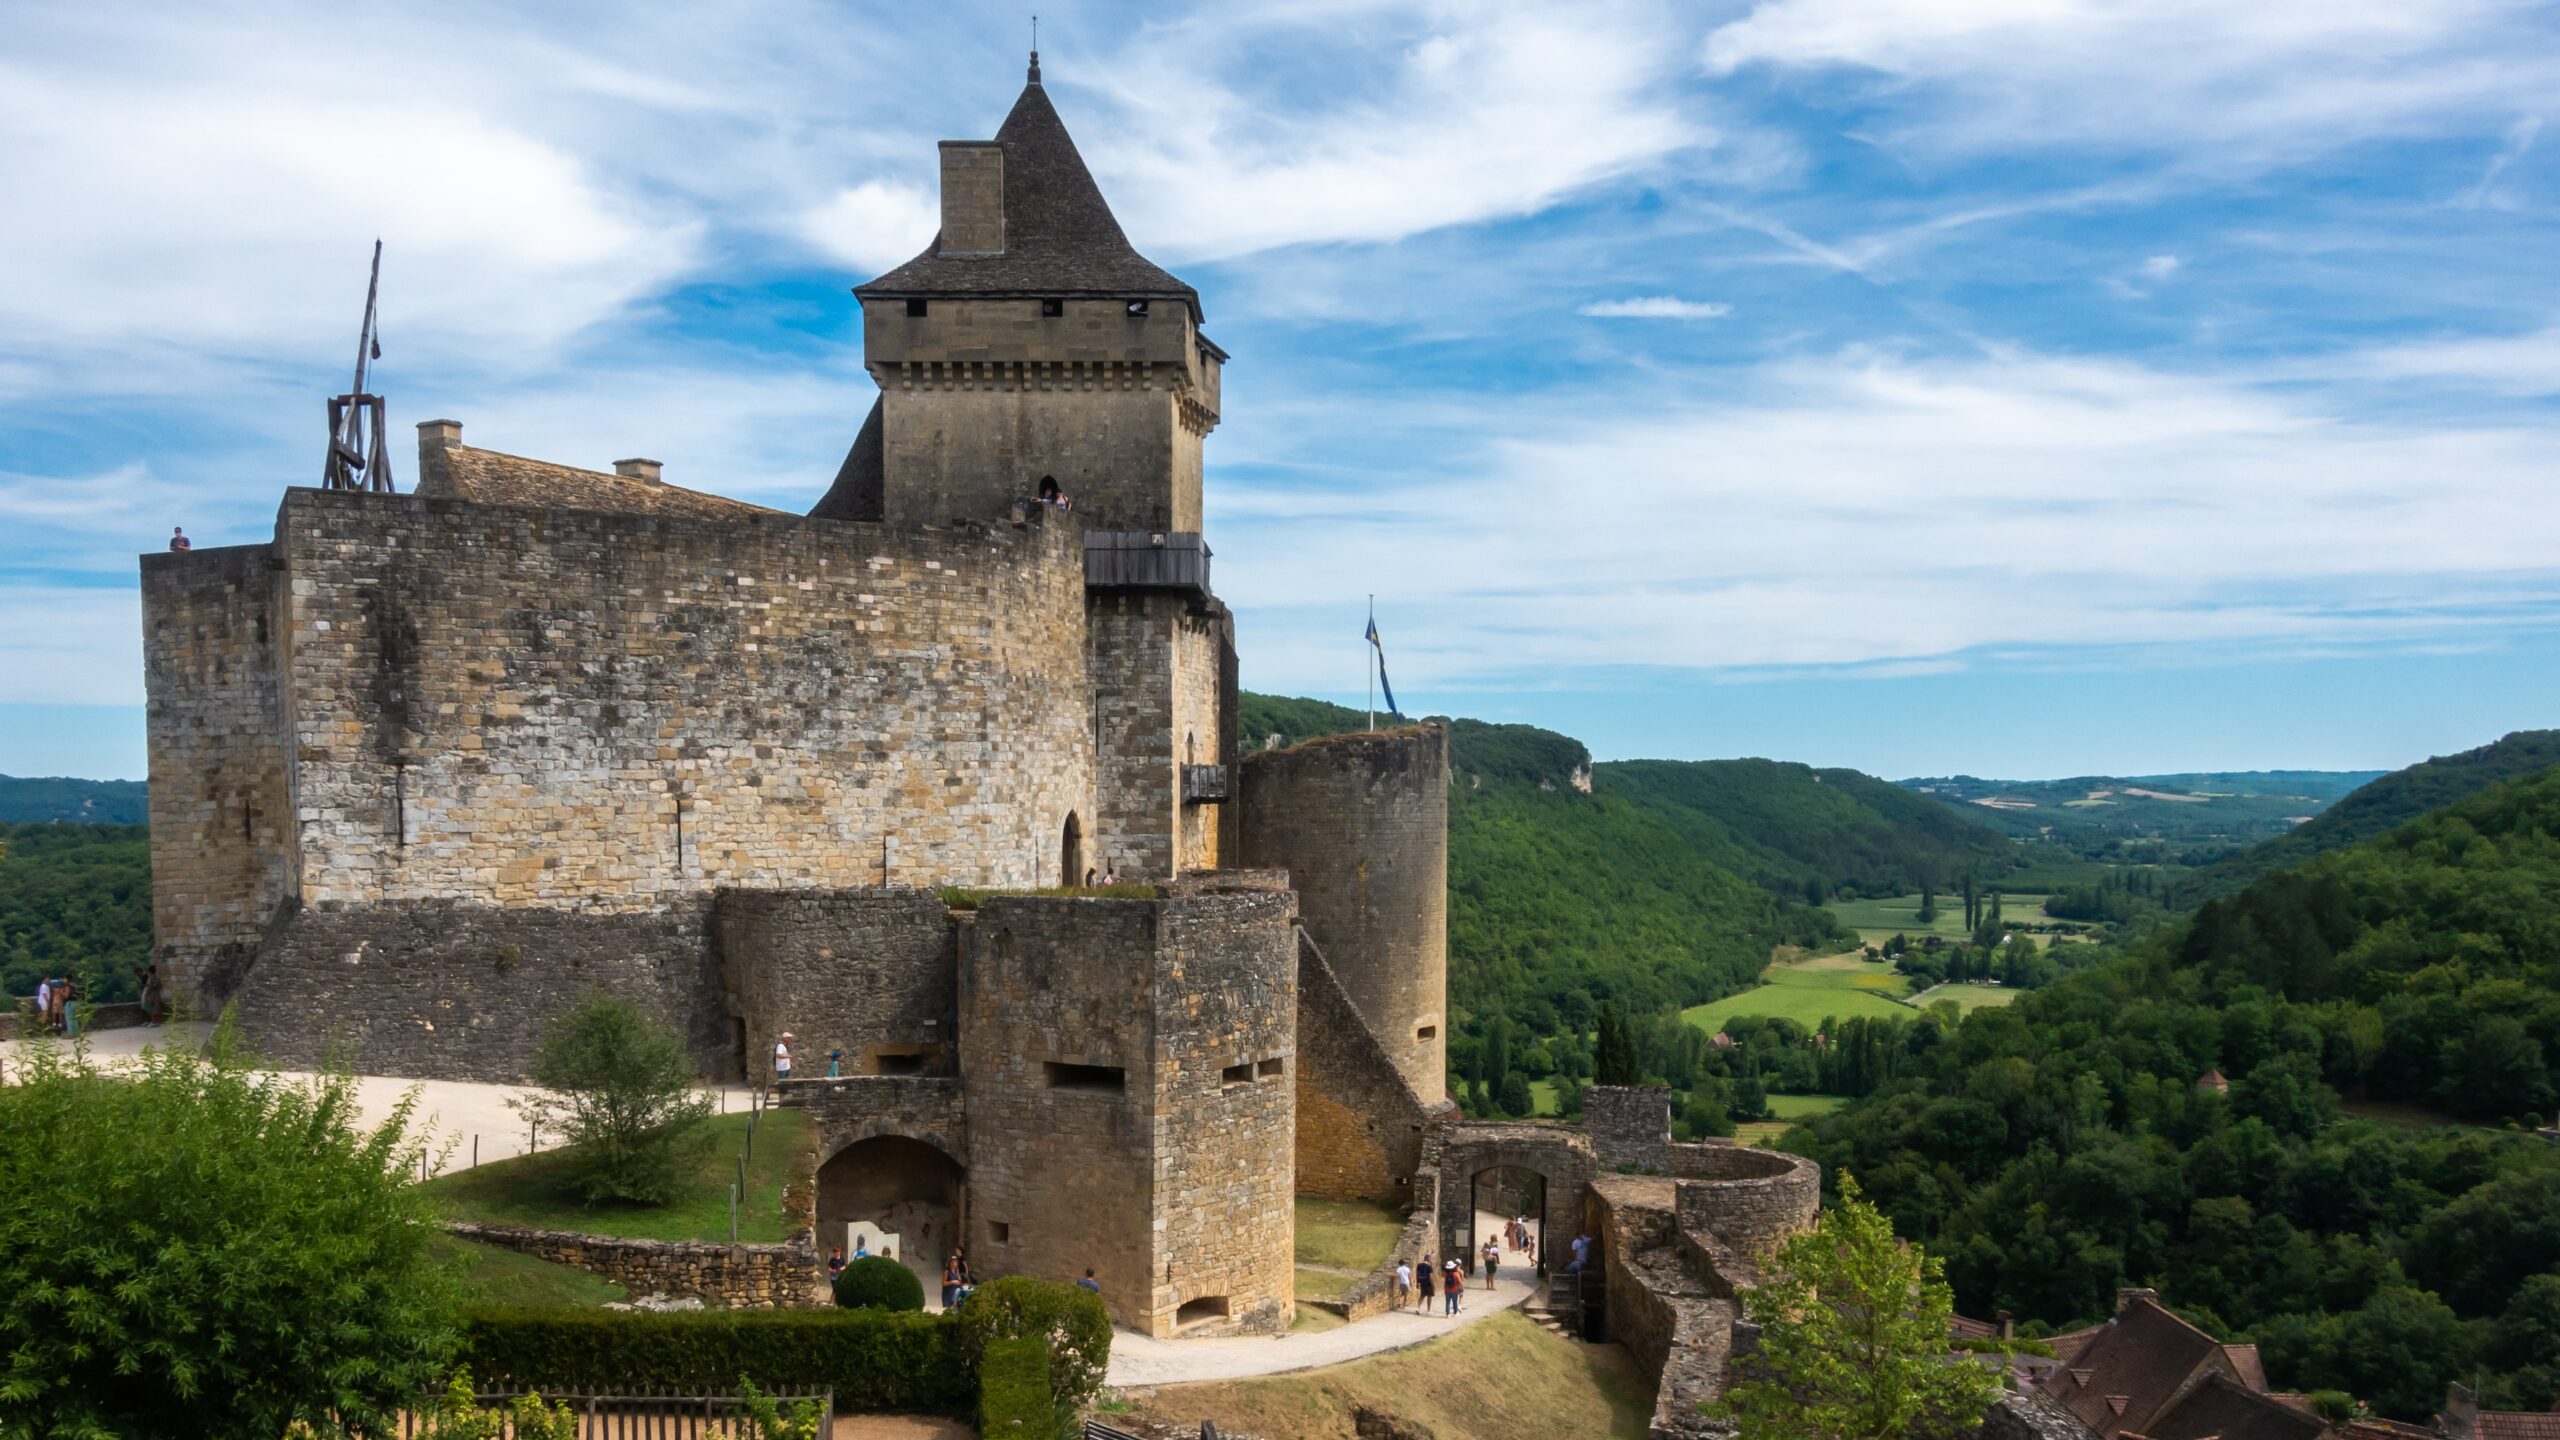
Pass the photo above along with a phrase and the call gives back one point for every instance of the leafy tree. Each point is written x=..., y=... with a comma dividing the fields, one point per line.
x=1853, y=1341
x=1928, y=903
x=1515, y=1096
x=195, y=1247
x=616, y=1080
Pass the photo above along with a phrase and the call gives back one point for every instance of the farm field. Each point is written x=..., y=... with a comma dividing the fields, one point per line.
x=1788, y=1109
x=1879, y=920
x=1967, y=997
x=1810, y=991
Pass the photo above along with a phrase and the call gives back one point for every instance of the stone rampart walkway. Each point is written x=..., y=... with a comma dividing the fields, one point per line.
x=1139, y=1360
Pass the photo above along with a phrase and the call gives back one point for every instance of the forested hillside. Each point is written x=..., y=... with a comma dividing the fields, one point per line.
x=2395, y=798
x=1814, y=834
x=2060, y=1147
x=99, y=802
x=74, y=900
x=2145, y=819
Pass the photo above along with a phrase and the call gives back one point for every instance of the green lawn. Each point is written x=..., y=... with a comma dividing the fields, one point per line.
x=1788, y=1109
x=1880, y=920
x=525, y=1190
x=1967, y=997
x=1324, y=1284
x=491, y=1276
x=1348, y=1235
x=1810, y=991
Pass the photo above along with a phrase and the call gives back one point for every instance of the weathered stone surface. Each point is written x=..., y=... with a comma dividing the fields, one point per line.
x=1630, y=1127
x=1360, y=1124
x=726, y=1276
x=871, y=972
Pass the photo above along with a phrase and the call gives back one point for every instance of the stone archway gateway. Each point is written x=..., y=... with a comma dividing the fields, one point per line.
x=904, y=1195
x=1560, y=1160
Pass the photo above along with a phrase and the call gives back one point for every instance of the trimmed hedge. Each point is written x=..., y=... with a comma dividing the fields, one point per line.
x=876, y=1360
x=1014, y=1401
x=1070, y=1321
x=876, y=1282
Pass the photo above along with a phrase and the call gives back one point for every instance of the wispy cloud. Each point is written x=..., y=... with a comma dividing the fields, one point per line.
x=1655, y=307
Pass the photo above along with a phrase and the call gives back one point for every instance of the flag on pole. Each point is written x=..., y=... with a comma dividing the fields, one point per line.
x=1381, y=647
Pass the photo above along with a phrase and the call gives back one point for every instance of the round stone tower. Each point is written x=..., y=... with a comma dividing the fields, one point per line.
x=1361, y=823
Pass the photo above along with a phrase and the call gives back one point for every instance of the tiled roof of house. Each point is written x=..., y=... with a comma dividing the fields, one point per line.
x=1060, y=239
x=2071, y=1342
x=2223, y=1409
x=2129, y=1371
x=2245, y=1364
x=460, y=472
x=2519, y=1425
x=1961, y=1328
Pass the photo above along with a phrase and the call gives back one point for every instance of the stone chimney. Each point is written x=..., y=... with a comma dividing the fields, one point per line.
x=434, y=438
x=645, y=471
x=2130, y=1293
x=972, y=197
x=2461, y=1417
x=2008, y=1325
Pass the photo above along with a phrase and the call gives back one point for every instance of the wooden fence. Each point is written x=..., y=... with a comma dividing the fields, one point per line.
x=640, y=1415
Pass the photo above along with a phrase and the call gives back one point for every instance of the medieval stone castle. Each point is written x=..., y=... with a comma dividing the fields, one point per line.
x=426, y=767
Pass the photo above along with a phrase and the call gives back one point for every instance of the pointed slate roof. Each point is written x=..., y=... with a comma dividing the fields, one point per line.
x=1060, y=240
x=862, y=482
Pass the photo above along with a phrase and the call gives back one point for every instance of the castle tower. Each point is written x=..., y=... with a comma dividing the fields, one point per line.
x=1361, y=823
x=1031, y=344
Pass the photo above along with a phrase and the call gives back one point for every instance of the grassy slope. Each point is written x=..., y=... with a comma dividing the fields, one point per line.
x=1345, y=1234
x=523, y=1191
x=1809, y=992
x=1498, y=1377
x=491, y=1276
x=2397, y=797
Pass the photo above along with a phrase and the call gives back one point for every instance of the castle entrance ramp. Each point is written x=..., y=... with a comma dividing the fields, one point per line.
x=905, y=1197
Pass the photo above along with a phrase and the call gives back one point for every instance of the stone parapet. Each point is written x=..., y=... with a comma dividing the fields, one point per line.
x=735, y=1277
x=1630, y=1127
x=1751, y=1199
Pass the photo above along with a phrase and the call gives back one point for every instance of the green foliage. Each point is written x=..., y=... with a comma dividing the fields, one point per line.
x=538, y=1190
x=1787, y=826
x=2392, y=800
x=1613, y=1058
x=55, y=799
x=1014, y=1400
x=876, y=1282
x=193, y=1247
x=618, y=1081
x=75, y=900
x=1069, y=1320
x=802, y=1420
x=458, y=1415
x=2058, y=1148
x=874, y=1360
x=1853, y=1341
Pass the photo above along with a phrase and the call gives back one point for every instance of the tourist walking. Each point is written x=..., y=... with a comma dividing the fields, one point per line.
x=1492, y=1263
x=782, y=1059
x=1454, y=1289
x=835, y=1260
x=1422, y=1288
x=1088, y=1282
x=1404, y=1282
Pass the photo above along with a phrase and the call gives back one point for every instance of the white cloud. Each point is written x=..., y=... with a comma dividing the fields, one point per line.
x=2159, y=267
x=2527, y=364
x=875, y=225
x=2228, y=85
x=1656, y=307
x=2486, y=192
x=1866, y=510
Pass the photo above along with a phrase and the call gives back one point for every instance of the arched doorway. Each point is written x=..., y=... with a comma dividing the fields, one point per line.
x=903, y=1197
x=1508, y=1207
x=1071, y=853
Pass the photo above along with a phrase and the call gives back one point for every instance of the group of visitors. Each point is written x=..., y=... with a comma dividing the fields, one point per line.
x=1050, y=494
x=1109, y=874
x=837, y=1259
x=1417, y=1282
x=58, y=1004
x=957, y=1279
x=1517, y=1236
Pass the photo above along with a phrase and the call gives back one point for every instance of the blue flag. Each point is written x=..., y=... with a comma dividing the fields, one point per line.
x=1381, y=647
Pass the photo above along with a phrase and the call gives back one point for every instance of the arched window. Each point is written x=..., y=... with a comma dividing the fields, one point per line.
x=1071, y=853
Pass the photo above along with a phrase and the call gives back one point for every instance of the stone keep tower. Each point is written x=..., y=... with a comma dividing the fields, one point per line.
x=1030, y=344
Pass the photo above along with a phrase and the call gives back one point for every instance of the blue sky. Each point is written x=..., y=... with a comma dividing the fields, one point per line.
x=2023, y=387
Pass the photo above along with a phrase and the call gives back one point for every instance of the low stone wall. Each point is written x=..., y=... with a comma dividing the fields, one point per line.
x=734, y=1277
x=1375, y=1293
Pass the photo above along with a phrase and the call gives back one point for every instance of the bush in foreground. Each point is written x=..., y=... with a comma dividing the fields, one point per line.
x=1071, y=1321
x=195, y=1247
x=876, y=1360
x=876, y=1282
x=1014, y=1401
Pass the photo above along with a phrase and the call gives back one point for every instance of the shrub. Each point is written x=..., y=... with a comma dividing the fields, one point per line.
x=876, y=1282
x=875, y=1360
x=618, y=1081
x=199, y=1248
x=804, y=1420
x=1071, y=1320
x=456, y=1415
x=1014, y=1400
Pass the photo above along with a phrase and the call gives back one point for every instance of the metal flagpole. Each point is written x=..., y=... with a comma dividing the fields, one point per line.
x=1371, y=664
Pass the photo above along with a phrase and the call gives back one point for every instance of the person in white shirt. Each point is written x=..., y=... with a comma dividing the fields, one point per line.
x=782, y=1057
x=1404, y=1283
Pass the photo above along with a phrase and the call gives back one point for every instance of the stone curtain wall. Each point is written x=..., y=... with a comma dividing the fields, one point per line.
x=856, y=970
x=930, y=1109
x=221, y=815
x=1630, y=1126
x=1226, y=988
x=1360, y=1126
x=568, y=707
x=1202, y=635
x=736, y=1277
x=1361, y=823
x=1675, y=1323
x=442, y=990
